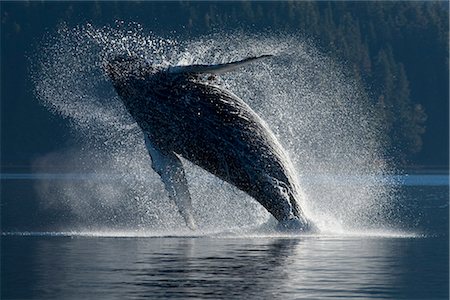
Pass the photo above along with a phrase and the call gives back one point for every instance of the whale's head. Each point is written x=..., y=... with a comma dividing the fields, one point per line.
x=131, y=77
x=120, y=67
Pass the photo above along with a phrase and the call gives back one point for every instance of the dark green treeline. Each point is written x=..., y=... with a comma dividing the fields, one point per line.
x=398, y=50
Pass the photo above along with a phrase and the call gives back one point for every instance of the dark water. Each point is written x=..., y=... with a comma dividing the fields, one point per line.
x=411, y=263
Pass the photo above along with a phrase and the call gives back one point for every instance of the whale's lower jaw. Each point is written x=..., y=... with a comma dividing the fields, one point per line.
x=296, y=224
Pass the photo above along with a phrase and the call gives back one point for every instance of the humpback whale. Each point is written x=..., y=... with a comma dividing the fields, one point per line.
x=184, y=113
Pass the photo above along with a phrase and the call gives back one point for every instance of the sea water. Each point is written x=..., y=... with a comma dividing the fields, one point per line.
x=408, y=263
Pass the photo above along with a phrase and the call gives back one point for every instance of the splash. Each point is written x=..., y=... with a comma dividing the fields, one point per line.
x=321, y=116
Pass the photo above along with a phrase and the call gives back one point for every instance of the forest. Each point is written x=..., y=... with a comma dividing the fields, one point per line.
x=398, y=50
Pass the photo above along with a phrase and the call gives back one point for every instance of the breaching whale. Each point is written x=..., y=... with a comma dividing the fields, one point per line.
x=183, y=113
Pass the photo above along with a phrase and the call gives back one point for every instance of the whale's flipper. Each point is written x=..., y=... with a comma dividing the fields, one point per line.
x=216, y=69
x=171, y=170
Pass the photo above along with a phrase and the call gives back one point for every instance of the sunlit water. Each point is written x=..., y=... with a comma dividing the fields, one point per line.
x=259, y=268
x=408, y=263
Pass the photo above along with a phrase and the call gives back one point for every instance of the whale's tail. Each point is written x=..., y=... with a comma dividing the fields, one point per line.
x=218, y=68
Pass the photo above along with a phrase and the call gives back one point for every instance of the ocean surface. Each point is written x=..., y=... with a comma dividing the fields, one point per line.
x=411, y=262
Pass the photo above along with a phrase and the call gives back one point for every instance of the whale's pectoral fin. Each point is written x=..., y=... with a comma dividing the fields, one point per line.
x=171, y=170
x=216, y=69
